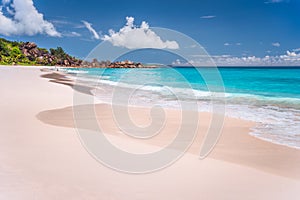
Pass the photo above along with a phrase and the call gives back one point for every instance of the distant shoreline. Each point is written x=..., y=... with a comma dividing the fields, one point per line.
x=161, y=66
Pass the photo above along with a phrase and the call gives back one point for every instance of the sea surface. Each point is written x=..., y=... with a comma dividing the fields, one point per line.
x=268, y=96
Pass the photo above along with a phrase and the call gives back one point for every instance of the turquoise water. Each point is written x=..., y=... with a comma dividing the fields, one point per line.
x=269, y=96
x=268, y=82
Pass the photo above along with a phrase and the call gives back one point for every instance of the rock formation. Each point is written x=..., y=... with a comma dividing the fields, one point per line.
x=43, y=57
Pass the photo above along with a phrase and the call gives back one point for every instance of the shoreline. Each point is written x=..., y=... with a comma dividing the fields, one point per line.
x=250, y=114
x=47, y=155
x=250, y=143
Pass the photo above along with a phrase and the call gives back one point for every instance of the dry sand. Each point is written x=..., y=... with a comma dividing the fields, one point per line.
x=41, y=156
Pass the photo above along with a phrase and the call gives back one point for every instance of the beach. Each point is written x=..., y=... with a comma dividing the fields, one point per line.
x=42, y=157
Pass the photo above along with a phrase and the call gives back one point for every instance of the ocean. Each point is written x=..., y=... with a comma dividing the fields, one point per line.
x=268, y=96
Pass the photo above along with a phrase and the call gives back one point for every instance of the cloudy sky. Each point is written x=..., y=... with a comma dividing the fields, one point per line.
x=234, y=32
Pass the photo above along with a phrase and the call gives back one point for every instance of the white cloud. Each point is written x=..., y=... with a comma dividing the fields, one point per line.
x=75, y=34
x=11, y=12
x=91, y=29
x=25, y=20
x=288, y=59
x=134, y=37
x=230, y=44
x=4, y=2
x=291, y=54
x=276, y=44
x=275, y=1
x=296, y=50
x=71, y=34
x=208, y=17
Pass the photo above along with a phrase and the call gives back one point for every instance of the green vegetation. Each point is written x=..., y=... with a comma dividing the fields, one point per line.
x=59, y=53
x=10, y=53
x=28, y=53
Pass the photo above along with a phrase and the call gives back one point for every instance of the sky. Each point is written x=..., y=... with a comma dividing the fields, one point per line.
x=233, y=32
